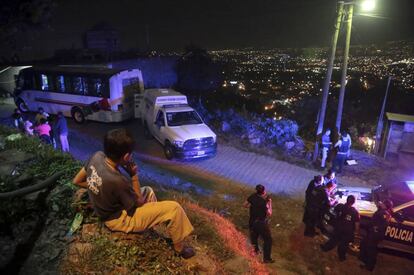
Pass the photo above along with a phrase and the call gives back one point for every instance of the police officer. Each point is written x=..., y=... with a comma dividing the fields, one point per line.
x=375, y=234
x=347, y=223
x=343, y=146
x=326, y=146
x=260, y=205
x=327, y=201
x=330, y=176
x=313, y=205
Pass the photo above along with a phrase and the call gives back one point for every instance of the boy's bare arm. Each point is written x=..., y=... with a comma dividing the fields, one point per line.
x=80, y=179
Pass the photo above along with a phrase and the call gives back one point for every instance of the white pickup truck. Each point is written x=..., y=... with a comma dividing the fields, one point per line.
x=166, y=115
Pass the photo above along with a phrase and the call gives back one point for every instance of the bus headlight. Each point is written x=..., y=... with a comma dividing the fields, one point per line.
x=178, y=143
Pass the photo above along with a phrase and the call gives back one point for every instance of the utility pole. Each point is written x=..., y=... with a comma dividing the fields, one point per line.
x=348, y=16
x=380, y=119
x=327, y=82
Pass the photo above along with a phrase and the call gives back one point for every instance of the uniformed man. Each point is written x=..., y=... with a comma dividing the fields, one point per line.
x=327, y=201
x=330, y=176
x=313, y=205
x=260, y=205
x=326, y=146
x=375, y=234
x=347, y=223
x=343, y=145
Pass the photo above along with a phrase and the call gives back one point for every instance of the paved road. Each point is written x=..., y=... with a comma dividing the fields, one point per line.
x=230, y=163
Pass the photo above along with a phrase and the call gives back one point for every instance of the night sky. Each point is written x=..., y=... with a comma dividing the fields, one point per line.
x=219, y=24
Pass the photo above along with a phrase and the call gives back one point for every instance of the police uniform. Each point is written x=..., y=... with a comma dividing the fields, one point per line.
x=326, y=145
x=259, y=225
x=347, y=216
x=375, y=234
x=315, y=196
x=341, y=155
x=327, y=180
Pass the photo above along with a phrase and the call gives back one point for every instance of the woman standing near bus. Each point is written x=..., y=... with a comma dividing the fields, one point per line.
x=43, y=131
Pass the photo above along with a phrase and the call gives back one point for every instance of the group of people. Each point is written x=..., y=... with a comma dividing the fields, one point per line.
x=320, y=198
x=341, y=148
x=111, y=180
x=42, y=128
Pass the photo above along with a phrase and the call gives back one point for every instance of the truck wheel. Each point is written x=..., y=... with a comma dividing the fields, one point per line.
x=168, y=151
x=147, y=132
x=21, y=105
x=78, y=115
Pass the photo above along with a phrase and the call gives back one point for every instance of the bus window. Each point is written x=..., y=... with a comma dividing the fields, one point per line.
x=60, y=84
x=97, y=87
x=44, y=82
x=130, y=81
x=79, y=85
x=130, y=85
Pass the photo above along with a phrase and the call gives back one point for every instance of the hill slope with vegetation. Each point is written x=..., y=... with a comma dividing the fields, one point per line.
x=37, y=225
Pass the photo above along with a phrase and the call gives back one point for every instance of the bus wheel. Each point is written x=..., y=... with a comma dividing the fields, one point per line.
x=168, y=151
x=22, y=106
x=78, y=115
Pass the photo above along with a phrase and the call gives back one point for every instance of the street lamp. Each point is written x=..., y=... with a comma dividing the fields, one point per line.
x=368, y=5
x=344, y=13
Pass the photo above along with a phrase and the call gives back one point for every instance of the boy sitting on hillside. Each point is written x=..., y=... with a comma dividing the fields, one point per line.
x=119, y=201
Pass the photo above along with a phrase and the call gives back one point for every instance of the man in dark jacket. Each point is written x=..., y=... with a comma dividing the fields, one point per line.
x=313, y=205
x=61, y=130
x=375, y=234
x=260, y=205
x=347, y=223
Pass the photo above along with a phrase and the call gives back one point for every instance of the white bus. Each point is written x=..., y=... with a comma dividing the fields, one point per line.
x=93, y=93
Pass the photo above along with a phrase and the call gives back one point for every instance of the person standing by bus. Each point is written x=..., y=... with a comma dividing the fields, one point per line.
x=28, y=127
x=43, y=131
x=61, y=130
x=41, y=114
x=17, y=118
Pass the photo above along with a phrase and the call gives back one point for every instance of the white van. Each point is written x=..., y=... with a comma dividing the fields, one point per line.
x=178, y=127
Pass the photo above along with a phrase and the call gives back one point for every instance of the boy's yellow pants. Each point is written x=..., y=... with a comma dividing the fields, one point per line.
x=151, y=214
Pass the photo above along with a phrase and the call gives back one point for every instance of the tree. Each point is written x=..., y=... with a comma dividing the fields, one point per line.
x=21, y=16
x=197, y=72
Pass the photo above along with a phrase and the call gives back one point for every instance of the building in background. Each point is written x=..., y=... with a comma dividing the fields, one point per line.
x=398, y=139
x=102, y=37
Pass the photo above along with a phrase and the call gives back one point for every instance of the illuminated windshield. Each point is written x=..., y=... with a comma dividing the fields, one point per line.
x=183, y=118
